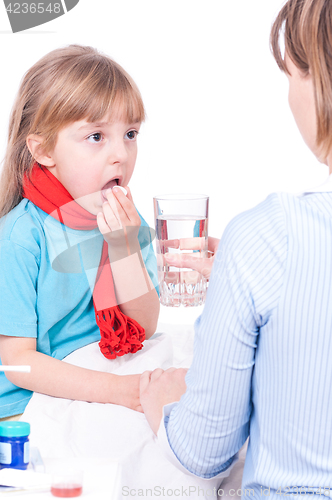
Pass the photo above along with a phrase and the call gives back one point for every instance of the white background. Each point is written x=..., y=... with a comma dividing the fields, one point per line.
x=218, y=117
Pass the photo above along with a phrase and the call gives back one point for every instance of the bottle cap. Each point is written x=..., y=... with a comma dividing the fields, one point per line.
x=14, y=429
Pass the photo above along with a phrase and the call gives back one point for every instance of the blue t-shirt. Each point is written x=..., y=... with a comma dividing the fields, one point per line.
x=47, y=273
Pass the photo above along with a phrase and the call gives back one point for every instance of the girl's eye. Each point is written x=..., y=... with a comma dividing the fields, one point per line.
x=97, y=137
x=132, y=134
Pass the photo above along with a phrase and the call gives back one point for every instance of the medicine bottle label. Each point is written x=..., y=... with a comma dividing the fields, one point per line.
x=5, y=453
x=26, y=455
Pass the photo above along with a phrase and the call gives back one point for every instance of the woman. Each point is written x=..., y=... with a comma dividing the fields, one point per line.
x=261, y=366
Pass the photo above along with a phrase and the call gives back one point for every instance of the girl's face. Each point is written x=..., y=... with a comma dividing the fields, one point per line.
x=89, y=158
x=302, y=103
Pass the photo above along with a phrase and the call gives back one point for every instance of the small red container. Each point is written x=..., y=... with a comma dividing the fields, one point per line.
x=67, y=483
x=67, y=491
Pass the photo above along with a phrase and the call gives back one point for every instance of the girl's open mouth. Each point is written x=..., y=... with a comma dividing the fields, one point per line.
x=108, y=185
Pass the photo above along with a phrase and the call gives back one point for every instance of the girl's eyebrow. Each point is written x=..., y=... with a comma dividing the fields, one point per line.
x=93, y=124
x=103, y=124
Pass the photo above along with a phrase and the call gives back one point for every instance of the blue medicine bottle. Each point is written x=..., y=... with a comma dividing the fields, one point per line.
x=14, y=445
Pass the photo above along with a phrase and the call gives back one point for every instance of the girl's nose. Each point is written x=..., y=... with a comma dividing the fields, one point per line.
x=118, y=152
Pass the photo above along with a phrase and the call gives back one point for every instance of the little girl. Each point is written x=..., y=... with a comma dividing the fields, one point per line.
x=72, y=146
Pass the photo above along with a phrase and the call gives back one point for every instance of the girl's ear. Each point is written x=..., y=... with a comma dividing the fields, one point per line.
x=35, y=146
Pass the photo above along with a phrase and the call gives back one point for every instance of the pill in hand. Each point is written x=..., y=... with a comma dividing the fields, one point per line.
x=122, y=189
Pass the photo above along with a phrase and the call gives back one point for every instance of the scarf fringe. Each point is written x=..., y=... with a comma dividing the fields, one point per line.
x=119, y=333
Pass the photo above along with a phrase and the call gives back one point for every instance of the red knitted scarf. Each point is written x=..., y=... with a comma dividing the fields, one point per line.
x=119, y=333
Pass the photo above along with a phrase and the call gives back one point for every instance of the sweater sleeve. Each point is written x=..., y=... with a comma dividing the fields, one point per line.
x=211, y=422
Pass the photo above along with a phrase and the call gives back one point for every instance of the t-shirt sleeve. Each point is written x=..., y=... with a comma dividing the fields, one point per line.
x=211, y=422
x=18, y=284
x=145, y=236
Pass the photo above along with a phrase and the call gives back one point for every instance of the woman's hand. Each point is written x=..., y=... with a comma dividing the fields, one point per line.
x=200, y=264
x=159, y=388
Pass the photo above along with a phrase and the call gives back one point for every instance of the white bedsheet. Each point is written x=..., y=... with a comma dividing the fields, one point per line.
x=64, y=429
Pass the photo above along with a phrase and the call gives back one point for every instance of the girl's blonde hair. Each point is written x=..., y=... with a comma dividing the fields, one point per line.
x=68, y=84
x=307, y=27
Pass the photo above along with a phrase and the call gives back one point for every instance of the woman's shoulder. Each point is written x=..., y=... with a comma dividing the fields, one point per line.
x=255, y=241
x=266, y=218
x=23, y=226
x=273, y=210
x=272, y=222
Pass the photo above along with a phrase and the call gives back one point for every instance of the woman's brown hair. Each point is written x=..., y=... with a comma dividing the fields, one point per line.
x=307, y=27
x=68, y=84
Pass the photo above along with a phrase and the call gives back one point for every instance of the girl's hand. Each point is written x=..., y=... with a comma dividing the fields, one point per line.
x=200, y=264
x=159, y=388
x=119, y=223
x=135, y=293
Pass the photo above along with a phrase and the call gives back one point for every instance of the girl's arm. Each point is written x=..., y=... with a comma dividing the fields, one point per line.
x=60, y=379
x=119, y=223
x=132, y=280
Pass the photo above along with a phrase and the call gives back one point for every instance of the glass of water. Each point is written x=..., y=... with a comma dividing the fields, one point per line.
x=182, y=228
